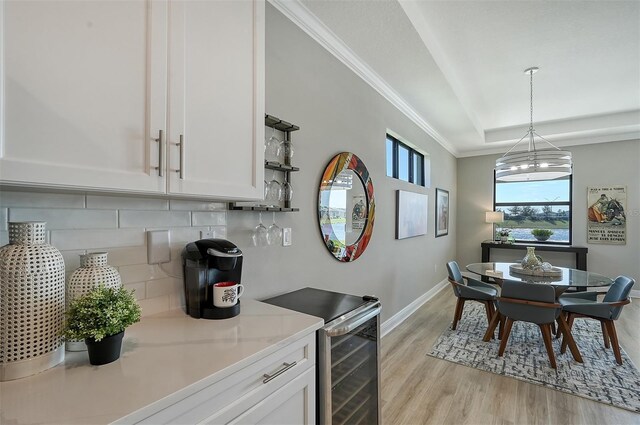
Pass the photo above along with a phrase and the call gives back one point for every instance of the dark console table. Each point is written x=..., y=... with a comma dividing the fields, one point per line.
x=581, y=252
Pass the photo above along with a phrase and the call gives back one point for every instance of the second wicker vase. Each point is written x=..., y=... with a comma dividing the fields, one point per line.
x=93, y=271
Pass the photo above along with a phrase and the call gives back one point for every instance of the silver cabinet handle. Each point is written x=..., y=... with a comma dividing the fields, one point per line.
x=285, y=367
x=161, y=153
x=181, y=145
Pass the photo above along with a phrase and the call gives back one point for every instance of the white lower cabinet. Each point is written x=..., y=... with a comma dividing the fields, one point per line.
x=244, y=397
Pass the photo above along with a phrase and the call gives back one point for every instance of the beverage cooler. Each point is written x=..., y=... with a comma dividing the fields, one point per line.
x=348, y=372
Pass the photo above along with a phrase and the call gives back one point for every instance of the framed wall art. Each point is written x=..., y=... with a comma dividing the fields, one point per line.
x=442, y=212
x=411, y=214
x=606, y=216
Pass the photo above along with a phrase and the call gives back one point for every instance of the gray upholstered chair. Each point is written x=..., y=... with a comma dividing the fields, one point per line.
x=585, y=304
x=527, y=302
x=473, y=290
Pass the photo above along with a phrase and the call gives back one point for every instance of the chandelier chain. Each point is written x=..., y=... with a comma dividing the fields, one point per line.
x=531, y=100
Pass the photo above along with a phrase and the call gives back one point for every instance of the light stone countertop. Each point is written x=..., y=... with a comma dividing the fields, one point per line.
x=161, y=355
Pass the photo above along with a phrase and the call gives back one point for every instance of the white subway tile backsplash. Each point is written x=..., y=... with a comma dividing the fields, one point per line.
x=219, y=232
x=182, y=235
x=209, y=218
x=154, y=305
x=124, y=202
x=96, y=239
x=127, y=256
x=169, y=285
x=77, y=224
x=176, y=300
x=72, y=259
x=67, y=218
x=139, y=289
x=149, y=219
x=183, y=205
x=41, y=200
x=140, y=273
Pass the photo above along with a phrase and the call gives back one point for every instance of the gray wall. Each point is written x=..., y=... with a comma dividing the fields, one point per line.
x=594, y=165
x=338, y=112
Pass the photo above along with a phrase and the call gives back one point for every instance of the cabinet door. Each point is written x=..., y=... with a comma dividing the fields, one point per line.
x=84, y=93
x=292, y=404
x=216, y=100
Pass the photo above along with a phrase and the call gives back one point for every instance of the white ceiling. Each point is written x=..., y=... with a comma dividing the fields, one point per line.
x=456, y=67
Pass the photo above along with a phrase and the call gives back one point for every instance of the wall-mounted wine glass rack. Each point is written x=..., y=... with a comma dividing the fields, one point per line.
x=286, y=168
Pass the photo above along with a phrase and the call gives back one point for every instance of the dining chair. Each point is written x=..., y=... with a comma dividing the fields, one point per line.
x=472, y=290
x=528, y=302
x=585, y=304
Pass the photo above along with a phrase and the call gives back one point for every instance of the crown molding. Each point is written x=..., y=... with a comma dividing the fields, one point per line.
x=300, y=15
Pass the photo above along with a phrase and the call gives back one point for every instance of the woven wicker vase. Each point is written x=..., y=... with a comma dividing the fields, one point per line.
x=93, y=271
x=31, y=302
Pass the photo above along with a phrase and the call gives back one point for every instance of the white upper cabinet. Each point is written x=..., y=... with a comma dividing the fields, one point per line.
x=216, y=98
x=89, y=86
x=84, y=93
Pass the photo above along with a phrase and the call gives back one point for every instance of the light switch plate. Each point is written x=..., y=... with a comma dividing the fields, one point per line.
x=158, y=250
x=286, y=236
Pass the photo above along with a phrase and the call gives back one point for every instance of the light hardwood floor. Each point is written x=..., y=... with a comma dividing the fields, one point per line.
x=419, y=389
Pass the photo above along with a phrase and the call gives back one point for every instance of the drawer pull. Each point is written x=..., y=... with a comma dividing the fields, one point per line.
x=285, y=367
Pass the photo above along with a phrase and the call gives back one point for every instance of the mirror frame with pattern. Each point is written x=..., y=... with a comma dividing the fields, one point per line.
x=340, y=163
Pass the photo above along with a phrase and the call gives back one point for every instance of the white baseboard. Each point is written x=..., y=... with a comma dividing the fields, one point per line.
x=635, y=293
x=403, y=314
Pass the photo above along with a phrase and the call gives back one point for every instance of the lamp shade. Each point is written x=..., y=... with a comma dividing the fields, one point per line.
x=494, y=216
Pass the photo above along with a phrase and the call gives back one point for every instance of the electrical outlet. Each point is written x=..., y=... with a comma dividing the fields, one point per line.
x=206, y=234
x=286, y=236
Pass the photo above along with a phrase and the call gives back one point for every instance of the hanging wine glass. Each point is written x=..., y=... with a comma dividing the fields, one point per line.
x=274, y=233
x=286, y=151
x=272, y=147
x=273, y=190
x=287, y=191
x=259, y=234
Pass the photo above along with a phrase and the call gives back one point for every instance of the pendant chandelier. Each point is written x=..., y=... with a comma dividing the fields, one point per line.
x=533, y=164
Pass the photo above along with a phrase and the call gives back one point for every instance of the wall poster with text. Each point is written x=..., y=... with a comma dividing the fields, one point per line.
x=607, y=222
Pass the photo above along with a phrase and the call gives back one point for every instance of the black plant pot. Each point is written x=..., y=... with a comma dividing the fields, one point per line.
x=542, y=238
x=106, y=350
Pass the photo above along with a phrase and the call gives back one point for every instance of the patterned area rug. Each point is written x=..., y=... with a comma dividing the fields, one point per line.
x=598, y=378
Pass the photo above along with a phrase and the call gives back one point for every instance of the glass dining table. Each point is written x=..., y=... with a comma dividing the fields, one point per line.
x=570, y=278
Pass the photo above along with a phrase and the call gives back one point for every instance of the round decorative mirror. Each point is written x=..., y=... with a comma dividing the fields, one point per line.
x=346, y=207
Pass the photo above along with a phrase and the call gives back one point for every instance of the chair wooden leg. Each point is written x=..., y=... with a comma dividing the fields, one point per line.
x=501, y=327
x=552, y=326
x=567, y=339
x=458, y=313
x=505, y=336
x=605, y=334
x=611, y=330
x=487, y=310
x=546, y=336
x=559, y=331
x=492, y=327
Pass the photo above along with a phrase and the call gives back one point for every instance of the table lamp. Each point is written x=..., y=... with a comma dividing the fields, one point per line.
x=494, y=217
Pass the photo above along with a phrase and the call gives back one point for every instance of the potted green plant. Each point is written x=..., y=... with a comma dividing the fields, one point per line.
x=504, y=234
x=542, y=234
x=100, y=318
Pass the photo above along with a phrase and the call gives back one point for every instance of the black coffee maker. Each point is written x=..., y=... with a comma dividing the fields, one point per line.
x=206, y=262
